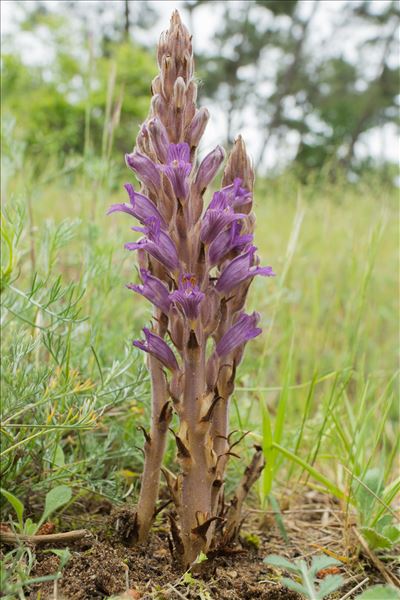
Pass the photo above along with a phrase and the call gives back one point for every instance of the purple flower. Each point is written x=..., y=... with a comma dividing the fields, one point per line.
x=239, y=269
x=233, y=195
x=157, y=243
x=153, y=289
x=178, y=168
x=158, y=348
x=188, y=296
x=217, y=217
x=241, y=332
x=142, y=208
x=145, y=169
x=227, y=241
x=209, y=167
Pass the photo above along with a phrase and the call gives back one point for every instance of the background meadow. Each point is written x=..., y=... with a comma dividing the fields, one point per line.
x=319, y=388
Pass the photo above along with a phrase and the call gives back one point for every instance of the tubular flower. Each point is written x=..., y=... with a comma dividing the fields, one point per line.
x=158, y=348
x=241, y=332
x=157, y=243
x=188, y=297
x=236, y=196
x=208, y=167
x=142, y=208
x=153, y=289
x=178, y=169
x=145, y=169
x=229, y=240
x=239, y=269
x=217, y=217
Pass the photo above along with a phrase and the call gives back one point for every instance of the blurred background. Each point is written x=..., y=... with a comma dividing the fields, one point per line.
x=310, y=84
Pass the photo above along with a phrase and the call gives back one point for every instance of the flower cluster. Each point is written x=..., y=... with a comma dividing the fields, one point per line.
x=216, y=241
x=196, y=265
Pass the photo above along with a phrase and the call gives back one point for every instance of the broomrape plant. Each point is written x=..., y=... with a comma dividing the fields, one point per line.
x=196, y=267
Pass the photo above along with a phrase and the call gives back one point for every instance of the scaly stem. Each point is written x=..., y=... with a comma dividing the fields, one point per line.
x=154, y=450
x=197, y=480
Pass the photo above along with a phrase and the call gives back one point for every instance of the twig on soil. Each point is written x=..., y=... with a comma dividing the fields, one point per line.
x=67, y=536
x=354, y=589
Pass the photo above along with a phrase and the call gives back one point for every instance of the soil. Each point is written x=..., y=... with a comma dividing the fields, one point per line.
x=101, y=566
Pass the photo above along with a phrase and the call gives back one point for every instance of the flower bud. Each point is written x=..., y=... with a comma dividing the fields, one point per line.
x=197, y=127
x=179, y=92
x=208, y=168
x=159, y=138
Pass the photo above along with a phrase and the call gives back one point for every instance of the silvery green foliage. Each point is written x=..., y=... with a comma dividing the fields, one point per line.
x=383, y=592
x=310, y=587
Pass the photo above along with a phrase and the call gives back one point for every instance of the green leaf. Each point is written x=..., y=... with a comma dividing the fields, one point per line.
x=392, y=532
x=17, y=506
x=201, y=558
x=293, y=585
x=30, y=528
x=375, y=539
x=282, y=563
x=330, y=584
x=55, y=499
x=322, y=561
x=59, y=459
x=367, y=490
x=383, y=522
x=383, y=592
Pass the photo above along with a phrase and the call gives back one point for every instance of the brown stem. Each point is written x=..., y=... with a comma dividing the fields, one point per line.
x=67, y=536
x=154, y=451
x=195, y=508
x=250, y=476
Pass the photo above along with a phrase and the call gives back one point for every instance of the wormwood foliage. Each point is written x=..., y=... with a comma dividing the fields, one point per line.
x=308, y=584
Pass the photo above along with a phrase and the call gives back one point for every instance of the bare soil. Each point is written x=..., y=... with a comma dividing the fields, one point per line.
x=101, y=566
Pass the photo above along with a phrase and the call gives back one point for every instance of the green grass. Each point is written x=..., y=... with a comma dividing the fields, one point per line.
x=317, y=389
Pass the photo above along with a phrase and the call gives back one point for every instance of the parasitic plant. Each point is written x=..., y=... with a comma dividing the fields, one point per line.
x=196, y=265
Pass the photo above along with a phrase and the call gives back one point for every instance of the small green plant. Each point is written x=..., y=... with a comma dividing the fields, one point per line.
x=373, y=499
x=383, y=592
x=305, y=580
x=55, y=499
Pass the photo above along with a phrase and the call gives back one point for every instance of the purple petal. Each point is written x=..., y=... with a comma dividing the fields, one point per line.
x=241, y=332
x=232, y=196
x=239, y=269
x=237, y=197
x=142, y=208
x=158, y=348
x=215, y=221
x=157, y=243
x=188, y=296
x=145, y=169
x=153, y=289
x=228, y=240
x=178, y=169
x=177, y=152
